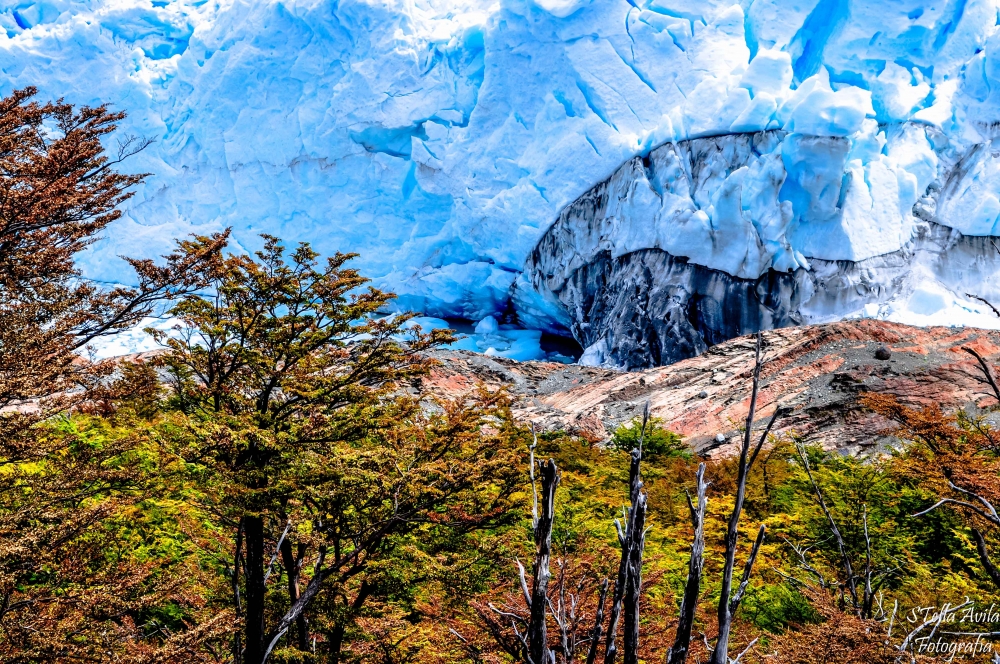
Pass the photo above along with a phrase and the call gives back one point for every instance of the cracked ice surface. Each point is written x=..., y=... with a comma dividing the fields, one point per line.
x=439, y=139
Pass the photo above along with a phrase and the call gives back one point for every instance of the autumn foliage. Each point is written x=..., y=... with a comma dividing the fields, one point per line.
x=61, y=595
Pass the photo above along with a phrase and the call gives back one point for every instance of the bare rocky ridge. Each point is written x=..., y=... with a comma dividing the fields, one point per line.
x=817, y=370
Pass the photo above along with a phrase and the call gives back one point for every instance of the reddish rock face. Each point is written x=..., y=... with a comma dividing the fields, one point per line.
x=817, y=370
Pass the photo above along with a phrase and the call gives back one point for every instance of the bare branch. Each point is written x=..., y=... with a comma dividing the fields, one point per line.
x=595, y=635
x=524, y=584
x=987, y=370
x=984, y=300
x=984, y=557
x=270, y=565
x=952, y=501
x=745, y=651
x=841, y=547
x=734, y=604
x=866, y=604
x=679, y=650
x=720, y=655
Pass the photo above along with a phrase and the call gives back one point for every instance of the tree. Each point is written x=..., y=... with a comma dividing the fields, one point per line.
x=295, y=393
x=628, y=585
x=531, y=640
x=58, y=190
x=658, y=441
x=729, y=601
x=692, y=588
x=955, y=456
x=536, y=641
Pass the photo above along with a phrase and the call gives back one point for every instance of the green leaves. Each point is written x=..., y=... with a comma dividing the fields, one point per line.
x=293, y=415
x=658, y=441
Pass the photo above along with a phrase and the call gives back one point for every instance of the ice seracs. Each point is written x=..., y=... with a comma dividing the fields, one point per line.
x=442, y=139
x=770, y=229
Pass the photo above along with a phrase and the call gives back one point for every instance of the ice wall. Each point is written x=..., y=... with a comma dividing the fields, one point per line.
x=441, y=139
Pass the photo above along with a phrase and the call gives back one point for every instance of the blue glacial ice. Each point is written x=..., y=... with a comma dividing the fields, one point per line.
x=440, y=139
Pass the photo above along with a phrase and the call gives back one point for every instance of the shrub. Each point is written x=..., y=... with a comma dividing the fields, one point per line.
x=658, y=441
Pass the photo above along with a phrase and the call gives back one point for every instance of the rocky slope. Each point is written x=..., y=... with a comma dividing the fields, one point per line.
x=817, y=370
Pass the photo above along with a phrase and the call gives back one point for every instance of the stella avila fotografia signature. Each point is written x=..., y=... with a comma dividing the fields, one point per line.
x=947, y=629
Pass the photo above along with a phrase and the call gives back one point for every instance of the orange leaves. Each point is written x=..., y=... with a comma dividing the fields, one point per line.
x=64, y=593
x=841, y=638
x=929, y=425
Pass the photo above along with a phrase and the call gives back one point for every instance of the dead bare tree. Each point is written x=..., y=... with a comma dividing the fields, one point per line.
x=567, y=612
x=560, y=602
x=801, y=552
x=729, y=601
x=531, y=644
x=595, y=635
x=633, y=581
x=563, y=606
x=610, y=648
x=628, y=585
x=536, y=646
x=692, y=588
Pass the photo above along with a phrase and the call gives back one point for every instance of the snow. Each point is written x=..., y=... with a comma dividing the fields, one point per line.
x=135, y=340
x=931, y=304
x=489, y=338
x=439, y=139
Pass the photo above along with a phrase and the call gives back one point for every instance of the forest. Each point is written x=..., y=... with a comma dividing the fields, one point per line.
x=274, y=486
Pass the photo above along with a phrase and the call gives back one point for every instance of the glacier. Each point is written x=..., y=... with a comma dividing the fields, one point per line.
x=443, y=140
x=642, y=267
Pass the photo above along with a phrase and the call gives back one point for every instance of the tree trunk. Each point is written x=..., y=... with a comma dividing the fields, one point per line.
x=625, y=566
x=538, y=652
x=692, y=588
x=633, y=583
x=237, y=601
x=335, y=637
x=253, y=527
x=595, y=635
x=721, y=653
x=610, y=649
x=292, y=565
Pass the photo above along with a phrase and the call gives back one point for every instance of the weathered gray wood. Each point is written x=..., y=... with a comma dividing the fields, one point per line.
x=629, y=569
x=610, y=648
x=595, y=635
x=734, y=603
x=720, y=655
x=633, y=581
x=692, y=588
x=537, y=636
